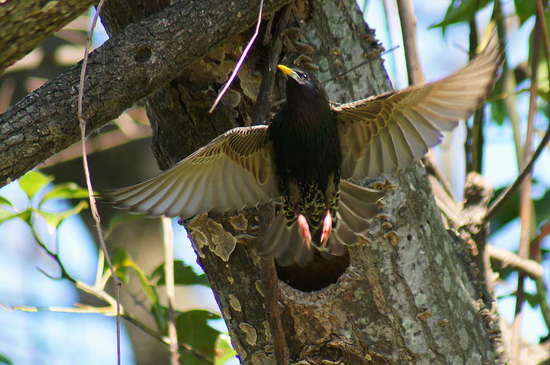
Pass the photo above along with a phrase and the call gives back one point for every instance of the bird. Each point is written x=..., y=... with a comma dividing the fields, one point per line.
x=311, y=156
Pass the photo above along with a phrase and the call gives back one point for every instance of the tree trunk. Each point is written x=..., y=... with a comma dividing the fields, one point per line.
x=411, y=294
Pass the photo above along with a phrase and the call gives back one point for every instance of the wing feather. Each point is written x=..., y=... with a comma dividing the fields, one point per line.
x=399, y=127
x=234, y=171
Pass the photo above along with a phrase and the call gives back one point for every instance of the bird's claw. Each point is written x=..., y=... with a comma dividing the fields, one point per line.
x=303, y=228
x=326, y=229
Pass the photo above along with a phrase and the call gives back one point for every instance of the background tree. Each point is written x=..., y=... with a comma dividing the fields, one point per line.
x=419, y=291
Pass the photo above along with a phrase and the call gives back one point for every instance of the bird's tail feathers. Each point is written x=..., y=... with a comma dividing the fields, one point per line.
x=356, y=206
x=284, y=242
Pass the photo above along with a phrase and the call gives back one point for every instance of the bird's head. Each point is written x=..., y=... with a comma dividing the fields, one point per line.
x=303, y=87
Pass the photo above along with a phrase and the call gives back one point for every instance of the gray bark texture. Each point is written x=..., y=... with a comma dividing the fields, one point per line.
x=412, y=294
x=26, y=23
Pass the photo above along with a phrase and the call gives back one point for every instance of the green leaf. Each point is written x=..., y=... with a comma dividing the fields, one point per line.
x=119, y=260
x=183, y=275
x=542, y=208
x=33, y=181
x=55, y=219
x=160, y=313
x=6, y=215
x=542, y=76
x=510, y=209
x=464, y=12
x=122, y=262
x=533, y=299
x=4, y=201
x=119, y=219
x=525, y=9
x=224, y=351
x=4, y=360
x=503, y=271
x=498, y=109
x=193, y=329
x=68, y=190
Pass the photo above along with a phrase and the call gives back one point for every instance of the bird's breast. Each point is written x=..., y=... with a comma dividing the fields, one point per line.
x=306, y=149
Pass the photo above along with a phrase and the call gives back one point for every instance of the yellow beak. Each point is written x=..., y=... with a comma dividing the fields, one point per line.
x=288, y=71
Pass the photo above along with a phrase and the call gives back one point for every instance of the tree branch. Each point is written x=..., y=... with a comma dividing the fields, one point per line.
x=26, y=23
x=408, y=30
x=129, y=66
x=508, y=258
x=503, y=197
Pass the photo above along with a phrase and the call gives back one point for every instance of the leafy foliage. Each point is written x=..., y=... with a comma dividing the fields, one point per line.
x=4, y=360
x=183, y=275
x=524, y=9
x=193, y=329
x=33, y=181
x=4, y=201
x=460, y=11
x=509, y=211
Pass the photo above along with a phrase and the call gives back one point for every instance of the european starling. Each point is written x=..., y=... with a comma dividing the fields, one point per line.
x=308, y=154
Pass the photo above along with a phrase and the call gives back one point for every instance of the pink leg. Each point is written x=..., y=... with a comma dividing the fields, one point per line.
x=304, y=229
x=327, y=228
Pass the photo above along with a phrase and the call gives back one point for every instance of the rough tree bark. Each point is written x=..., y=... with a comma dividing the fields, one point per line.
x=26, y=23
x=411, y=294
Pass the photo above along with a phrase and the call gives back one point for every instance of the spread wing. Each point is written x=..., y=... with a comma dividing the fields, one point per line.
x=233, y=171
x=387, y=132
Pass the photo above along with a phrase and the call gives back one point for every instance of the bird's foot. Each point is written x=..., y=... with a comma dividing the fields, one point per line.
x=327, y=229
x=303, y=228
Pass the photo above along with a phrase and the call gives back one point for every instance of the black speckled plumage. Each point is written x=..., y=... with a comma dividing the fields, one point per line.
x=306, y=150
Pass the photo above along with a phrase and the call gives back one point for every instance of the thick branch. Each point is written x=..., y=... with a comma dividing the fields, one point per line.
x=129, y=66
x=26, y=23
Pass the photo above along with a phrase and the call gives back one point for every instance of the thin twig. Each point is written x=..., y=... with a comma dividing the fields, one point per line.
x=154, y=334
x=474, y=138
x=168, y=241
x=369, y=60
x=508, y=258
x=542, y=290
x=505, y=195
x=432, y=169
x=93, y=205
x=263, y=101
x=392, y=27
x=408, y=30
x=271, y=296
x=241, y=60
